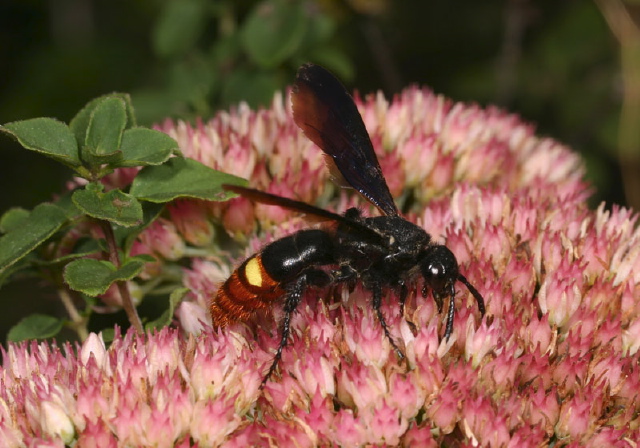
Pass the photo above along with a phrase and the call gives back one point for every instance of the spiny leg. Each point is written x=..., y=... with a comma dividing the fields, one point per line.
x=450, y=314
x=377, y=302
x=403, y=296
x=313, y=277
x=290, y=304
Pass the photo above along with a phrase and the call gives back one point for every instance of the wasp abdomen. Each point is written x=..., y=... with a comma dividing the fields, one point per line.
x=262, y=278
x=286, y=258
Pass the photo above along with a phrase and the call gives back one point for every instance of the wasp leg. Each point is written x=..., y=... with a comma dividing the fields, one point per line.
x=403, y=296
x=377, y=302
x=294, y=295
x=450, y=313
x=345, y=274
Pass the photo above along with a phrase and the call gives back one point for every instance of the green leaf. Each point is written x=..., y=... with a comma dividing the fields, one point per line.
x=66, y=204
x=143, y=147
x=224, y=49
x=145, y=258
x=43, y=222
x=153, y=104
x=274, y=31
x=35, y=326
x=47, y=136
x=108, y=334
x=104, y=133
x=180, y=25
x=114, y=206
x=333, y=59
x=320, y=29
x=22, y=265
x=256, y=88
x=192, y=80
x=182, y=178
x=93, y=277
x=165, y=319
x=80, y=123
x=83, y=248
x=13, y=219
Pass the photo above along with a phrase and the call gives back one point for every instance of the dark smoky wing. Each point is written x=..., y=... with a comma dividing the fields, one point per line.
x=328, y=116
x=302, y=207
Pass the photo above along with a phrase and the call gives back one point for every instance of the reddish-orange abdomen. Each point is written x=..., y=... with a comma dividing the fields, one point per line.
x=249, y=289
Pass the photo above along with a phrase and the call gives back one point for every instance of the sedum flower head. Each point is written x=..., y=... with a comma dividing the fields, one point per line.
x=555, y=360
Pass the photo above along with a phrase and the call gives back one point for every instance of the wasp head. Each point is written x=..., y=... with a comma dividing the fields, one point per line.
x=440, y=271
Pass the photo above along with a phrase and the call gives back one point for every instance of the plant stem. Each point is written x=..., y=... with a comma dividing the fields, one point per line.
x=79, y=322
x=619, y=16
x=114, y=258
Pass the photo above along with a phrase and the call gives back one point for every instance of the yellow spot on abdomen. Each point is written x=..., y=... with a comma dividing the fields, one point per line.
x=253, y=272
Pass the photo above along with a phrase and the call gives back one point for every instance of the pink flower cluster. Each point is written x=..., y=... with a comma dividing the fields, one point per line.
x=555, y=360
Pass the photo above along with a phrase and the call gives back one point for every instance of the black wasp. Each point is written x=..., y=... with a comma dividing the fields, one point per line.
x=383, y=252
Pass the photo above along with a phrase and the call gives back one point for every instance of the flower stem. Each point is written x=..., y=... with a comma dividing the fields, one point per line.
x=114, y=258
x=79, y=322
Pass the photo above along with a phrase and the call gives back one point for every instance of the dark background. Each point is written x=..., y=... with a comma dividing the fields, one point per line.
x=557, y=64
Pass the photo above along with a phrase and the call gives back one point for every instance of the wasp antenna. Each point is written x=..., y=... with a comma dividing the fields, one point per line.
x=473, y=292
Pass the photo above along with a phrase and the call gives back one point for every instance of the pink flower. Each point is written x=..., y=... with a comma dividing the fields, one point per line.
x=384, y=423
x=577, y=417
x=163, y=239
x=239, y=217
x=113, y=299
x=406, y=394
x=55, y=422
x=443, y=411
x=361, y=386
x=191, y=219
x=538, y=334
x=289, y=433
x=479, y=342
x=315, y=372
x=320, y=416
x=193, y=318
x=349, y=430
x=483, y=424
x=419, y=436
x=554, y=360
x=97, y=435
x=367, y=342
x=542, y=408
x=212, y=421
x=560, y=297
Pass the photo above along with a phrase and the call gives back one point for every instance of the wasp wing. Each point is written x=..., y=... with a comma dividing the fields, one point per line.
x=328, y=116
x=299, y=206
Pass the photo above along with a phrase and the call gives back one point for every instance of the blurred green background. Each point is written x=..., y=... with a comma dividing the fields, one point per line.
x=570, y=67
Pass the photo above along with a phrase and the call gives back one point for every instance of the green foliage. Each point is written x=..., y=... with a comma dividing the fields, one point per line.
x=33, y=230
x=115, y=206
x=180, y=178
x=48, y=137
x=144, y=147
x=179, y=27
x=13, y=219
x=273, y=32
x=216, y=54
x=35, y=326
x=101, y=138
x=94, y=277
x=165, y=319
